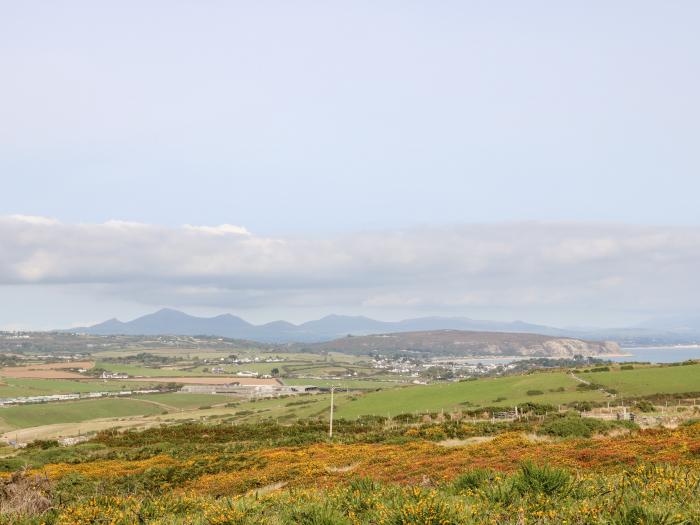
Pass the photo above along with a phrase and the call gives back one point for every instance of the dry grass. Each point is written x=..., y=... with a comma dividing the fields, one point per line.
x=217, y=380
x=46, y=370
x=25, y=494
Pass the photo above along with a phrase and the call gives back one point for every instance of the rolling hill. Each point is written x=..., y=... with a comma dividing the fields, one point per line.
x=463, y=343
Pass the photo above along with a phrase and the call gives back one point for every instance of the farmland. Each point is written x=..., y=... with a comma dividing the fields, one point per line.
x=446, y=452
x=74, y=412
x=642, y=381
x=555, y=388
x=13, y=387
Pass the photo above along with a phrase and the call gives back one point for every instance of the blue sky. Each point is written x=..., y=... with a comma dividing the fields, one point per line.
x=322, y=120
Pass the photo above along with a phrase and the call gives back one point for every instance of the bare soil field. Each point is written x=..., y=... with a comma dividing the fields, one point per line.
x=208, y=380
x=47, y=370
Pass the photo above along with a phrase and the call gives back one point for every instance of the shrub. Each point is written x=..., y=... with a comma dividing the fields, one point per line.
x=534, y=392
x=645, y=406
x=573, y=426
x=315, y=514
x=472, y=480
x=43, y=444
x=546, y=480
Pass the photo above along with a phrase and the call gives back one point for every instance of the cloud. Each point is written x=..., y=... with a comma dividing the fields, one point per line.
x=545, y=265
x=222, y=229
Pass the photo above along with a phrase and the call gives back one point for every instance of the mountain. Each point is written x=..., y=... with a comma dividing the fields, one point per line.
x=173, y=322
x=675, y=324
x=463, y=343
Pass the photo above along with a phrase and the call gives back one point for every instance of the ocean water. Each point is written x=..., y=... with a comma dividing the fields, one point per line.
x=651, y=354
x=659, y=354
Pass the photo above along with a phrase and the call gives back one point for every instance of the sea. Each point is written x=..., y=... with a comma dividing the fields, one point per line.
x=644, y=354
x=658, y=354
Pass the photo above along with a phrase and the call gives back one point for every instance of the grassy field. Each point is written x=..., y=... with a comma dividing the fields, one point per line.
x=365, y=384
x=186, y=401
x=649, y=380
x=382, y=398
x=74, y=412
x=301, y=364
x=15, y=387
x=136, y=370
x=501, y=391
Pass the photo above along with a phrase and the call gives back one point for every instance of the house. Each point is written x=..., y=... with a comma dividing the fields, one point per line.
x=114, y=375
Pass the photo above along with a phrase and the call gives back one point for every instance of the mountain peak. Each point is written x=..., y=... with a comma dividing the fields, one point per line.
x=168, y=321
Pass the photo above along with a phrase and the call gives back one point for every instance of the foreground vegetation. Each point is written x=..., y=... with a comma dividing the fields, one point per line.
x=431, y=470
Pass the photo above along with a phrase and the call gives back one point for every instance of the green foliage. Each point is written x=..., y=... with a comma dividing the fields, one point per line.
x=472, y=480
x=534, y=479
x=42, y=444
x=572, y=425
x=633, y=514
x=315, y=514
x=644, y=406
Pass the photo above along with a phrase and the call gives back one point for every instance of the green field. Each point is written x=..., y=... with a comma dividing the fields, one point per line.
x=289, y=408
x=649, y=380
x=305, y=364
x=74, y=412
x=15, y=387
x=136, y=370
x=368, y=384
x=483, y=392
x=185, y=401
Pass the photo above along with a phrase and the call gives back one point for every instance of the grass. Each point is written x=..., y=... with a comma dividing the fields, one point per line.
x=367, y=384
x=15, y=387
x=501, y=391
x=373, y=473
x=136, y=370
x=649, y=380
x=186, y=401
x=74, y=412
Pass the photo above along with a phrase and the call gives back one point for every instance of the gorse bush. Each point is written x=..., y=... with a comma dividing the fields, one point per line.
x=638, y=515
x=315, y=514
x=572, y=425
x=250, y=475
x=534, y=479
x=472, y=480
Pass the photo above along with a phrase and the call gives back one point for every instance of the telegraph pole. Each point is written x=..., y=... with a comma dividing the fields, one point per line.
x=330, y=427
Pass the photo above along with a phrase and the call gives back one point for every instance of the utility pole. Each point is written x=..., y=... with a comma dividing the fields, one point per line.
x=330, y=426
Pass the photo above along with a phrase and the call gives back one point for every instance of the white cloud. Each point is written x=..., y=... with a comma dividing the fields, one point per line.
x=222, y=229
x=557, y=265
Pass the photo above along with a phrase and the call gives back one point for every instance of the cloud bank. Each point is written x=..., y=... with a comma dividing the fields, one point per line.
x=575, y=266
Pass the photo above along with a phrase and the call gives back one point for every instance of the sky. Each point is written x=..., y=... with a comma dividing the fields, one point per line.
x=506, y=160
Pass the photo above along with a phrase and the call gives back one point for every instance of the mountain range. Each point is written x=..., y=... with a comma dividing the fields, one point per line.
x=173, y=322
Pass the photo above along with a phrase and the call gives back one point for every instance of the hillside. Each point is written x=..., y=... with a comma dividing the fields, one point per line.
x=465, y=343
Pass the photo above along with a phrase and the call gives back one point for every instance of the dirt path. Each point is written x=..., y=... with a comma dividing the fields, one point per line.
x=579, y=379
x=157, y=403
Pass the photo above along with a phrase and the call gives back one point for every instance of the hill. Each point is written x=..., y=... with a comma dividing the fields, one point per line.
x=464, y=343
x=173, y=322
